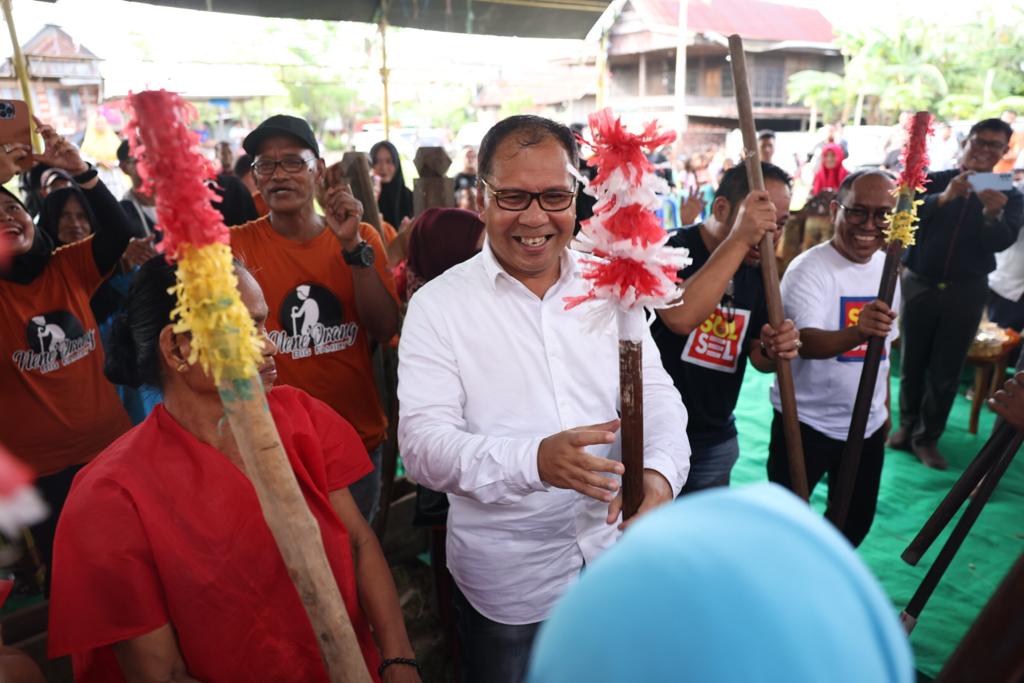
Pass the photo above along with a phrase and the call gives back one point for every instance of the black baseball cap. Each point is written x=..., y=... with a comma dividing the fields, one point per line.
x=281, y=124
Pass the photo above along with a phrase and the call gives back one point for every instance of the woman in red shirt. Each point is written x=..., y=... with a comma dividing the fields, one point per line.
x=164, y=567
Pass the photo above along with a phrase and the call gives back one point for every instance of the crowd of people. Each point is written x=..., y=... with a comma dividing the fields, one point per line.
x=159, y=565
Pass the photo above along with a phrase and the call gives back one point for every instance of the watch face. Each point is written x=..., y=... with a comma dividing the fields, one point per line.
x=366, y=255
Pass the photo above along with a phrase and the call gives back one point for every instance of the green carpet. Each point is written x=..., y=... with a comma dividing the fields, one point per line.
x=909, y=494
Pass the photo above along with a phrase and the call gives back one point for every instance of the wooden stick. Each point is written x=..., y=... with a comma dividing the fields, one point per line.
x=356, y=167
x=769, y=270
x=850, y=460
x=993, y=649
x=295, y=531
x=920, y=598
x=631, y=389
x=961, y=490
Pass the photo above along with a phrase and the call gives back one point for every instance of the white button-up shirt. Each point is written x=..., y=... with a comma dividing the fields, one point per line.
x=1007, y=280
x=486, y=371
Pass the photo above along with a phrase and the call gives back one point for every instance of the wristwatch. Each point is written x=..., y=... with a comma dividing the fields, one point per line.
x=360, y=257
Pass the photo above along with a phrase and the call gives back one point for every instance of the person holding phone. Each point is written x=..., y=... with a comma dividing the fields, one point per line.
x=57, y=411
x=945, y=285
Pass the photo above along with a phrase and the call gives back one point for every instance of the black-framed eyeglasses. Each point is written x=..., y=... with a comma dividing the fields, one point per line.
x=266, y=167
x=994, y=145
x=520, y=200
x=856, y=216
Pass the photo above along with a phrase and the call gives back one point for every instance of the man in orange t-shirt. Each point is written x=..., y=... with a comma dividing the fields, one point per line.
x=326, y=283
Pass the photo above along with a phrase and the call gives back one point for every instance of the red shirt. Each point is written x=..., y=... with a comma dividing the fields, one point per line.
x=56, y=407
x=322, y=345
x=162, y=528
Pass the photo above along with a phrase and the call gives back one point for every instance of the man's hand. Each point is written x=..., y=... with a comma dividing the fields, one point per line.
x=958, y=187
x=875, y=320
x=690, y=206
x=563, y=462
x=756, y=217
x=59, y=153
x=138, y=251
x=783, y=342
x=993, y=201
x=657, y=490
x=343, y=213
x=1008, y=402
x=11, y=155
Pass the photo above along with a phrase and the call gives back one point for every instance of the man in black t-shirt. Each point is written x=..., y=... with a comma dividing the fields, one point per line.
x=705, y=342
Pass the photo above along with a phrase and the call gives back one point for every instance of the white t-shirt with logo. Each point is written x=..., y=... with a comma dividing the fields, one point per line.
x=824, y=290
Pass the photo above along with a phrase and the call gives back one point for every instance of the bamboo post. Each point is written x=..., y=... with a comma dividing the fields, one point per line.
x=432, y=189
x=910, y=615
x=914, y=151
x=295, y=531
x=21, y=71
x=993, y=649
x=769, y=270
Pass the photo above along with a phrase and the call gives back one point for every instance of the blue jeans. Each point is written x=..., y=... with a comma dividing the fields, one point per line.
x=366, y=491
x=490, y=652
x=711, y=465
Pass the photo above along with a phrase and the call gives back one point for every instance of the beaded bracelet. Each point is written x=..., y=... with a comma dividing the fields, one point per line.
x=398, y=660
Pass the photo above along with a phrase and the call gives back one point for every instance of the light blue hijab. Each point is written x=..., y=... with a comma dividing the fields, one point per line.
x=726, y=585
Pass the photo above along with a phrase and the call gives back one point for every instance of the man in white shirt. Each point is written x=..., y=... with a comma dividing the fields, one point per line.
x=1006, y=285
x=509, y=405
x=830, y=292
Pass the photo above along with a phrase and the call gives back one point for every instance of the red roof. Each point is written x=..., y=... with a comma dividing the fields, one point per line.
x=751, y=19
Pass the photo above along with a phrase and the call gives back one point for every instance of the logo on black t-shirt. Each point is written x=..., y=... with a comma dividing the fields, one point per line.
x=55, y=340
x=312, y=323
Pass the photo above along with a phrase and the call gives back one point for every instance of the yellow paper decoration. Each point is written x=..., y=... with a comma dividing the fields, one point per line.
x=903, y=225
x=224, y=340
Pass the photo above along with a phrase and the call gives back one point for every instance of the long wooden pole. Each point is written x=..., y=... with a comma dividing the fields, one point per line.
x=294, y=528
x=960, y=491
x=993, y=649
x=931, y=580
x=769, y=270
x=631, y=392
x=850, y=459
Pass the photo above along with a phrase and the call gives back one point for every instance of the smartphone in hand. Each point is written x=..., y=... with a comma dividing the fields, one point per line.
x=15, y=128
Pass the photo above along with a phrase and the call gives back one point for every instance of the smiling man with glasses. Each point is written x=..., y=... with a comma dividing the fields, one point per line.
x=508, y=404
x=945, y=286
x=326, y=282
x=830, y=292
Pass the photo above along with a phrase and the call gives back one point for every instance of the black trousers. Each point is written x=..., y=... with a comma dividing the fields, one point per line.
x=821, y=456
x=937, y=325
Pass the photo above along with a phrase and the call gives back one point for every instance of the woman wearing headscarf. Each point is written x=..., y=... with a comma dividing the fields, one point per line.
x=831, y=172
x=165, y=568
x=726, y=585
x=57, y=410
x=395, y=201
x=438, y=240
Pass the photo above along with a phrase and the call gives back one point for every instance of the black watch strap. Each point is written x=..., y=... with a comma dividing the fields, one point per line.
x=86, y=175
x=360, y=257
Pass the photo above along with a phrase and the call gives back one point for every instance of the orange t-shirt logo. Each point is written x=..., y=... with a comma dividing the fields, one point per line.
x=717, y=342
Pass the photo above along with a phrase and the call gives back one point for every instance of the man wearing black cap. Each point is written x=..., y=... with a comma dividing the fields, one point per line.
x=325, y=281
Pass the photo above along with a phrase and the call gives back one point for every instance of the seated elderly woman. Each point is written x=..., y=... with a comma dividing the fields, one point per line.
x=165, y=569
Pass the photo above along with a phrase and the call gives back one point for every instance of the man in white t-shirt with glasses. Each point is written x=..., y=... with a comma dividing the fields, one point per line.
x=830, y=292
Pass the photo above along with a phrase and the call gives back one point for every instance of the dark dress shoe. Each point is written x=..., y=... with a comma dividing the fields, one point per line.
x=929, y=455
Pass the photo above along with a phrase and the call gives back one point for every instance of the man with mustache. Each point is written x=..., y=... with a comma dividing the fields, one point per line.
x=333, y=264
x=945, y=286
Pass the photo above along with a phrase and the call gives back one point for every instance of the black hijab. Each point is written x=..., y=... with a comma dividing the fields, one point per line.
x=395, y=201
x=26, y=267
x=53, y=207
